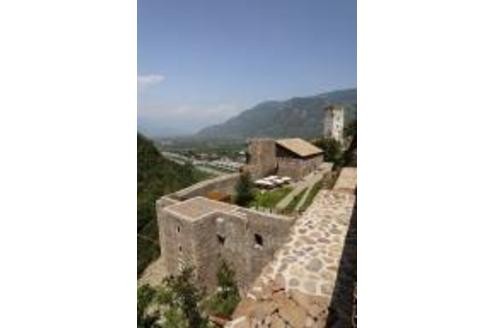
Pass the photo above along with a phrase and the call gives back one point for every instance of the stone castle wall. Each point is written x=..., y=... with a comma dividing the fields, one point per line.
x=298, y=168
x=176, y=241
x=238, y=247
x=262, y=159
x=223, y=184
x=229, y=235
x=342, y=309
x=297, y=287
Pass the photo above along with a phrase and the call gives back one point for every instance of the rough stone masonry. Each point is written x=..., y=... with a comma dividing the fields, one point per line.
x=296, y=288
x=200, y=232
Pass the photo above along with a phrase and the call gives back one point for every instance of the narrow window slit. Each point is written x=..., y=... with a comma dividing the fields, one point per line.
x=221, y=239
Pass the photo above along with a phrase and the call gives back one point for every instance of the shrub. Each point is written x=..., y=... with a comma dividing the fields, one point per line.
x=145, y=297
x=176, y=304
x=244, y=190
x=332, y=150
x=225, y=300
x=187, y=296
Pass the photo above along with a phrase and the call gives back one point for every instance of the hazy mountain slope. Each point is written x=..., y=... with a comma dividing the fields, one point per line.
x=154, y=128
x=156, y=176
x=301, y=116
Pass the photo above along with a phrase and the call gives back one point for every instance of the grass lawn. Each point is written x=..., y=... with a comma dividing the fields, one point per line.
x=292, y=205
x=312, y=193
x=269, y=199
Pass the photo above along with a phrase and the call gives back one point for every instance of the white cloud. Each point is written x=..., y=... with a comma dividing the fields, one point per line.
x=146, y=81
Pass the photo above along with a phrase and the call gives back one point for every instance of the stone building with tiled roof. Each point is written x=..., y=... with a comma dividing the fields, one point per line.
x=292, y=157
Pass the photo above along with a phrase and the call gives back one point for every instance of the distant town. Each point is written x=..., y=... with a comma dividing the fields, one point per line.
x=212, y=162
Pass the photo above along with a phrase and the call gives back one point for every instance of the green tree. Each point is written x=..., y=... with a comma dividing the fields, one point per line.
x=173, y=305
x=226, y=278
x=349, y=157
x=145, y=297
x=174, y=318
x=188, y=169
x=244, y=190
x=351, y=129
x=225, y=300
x=332, y=150
x=188, y=297
x=156, y=176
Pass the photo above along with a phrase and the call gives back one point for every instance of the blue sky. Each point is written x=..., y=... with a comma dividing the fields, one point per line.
x=201, y=62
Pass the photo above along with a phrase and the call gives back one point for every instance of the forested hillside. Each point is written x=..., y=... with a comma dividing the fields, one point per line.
x=156, y=176
x=296, y=117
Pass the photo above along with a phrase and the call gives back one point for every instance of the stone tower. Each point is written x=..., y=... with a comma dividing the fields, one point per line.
x=199, y=232
x=333, y=124
x=262, y=159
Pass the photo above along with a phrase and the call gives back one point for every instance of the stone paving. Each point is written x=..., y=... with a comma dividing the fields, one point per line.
x=295, y=289
x=311, y=257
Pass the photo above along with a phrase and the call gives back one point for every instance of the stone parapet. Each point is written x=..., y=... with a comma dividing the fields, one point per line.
x=347, y=180
x=200, y=232
x=296, y=288
x=223, y=184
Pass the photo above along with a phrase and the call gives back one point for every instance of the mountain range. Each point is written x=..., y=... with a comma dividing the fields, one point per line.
x=296, y=117
x=154, y=128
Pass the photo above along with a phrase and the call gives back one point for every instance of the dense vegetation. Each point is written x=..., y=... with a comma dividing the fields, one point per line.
x=244, y=190
x=349, y=157
x=156, y=176
x=179, y=303
x=297, y=117
x=224, y=301
x=174, y=304
x=334, y=152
